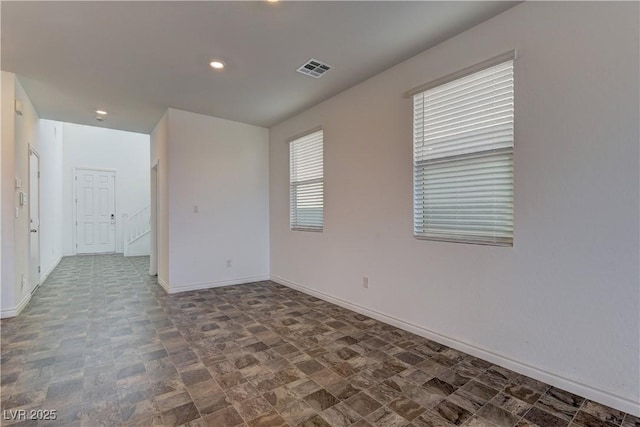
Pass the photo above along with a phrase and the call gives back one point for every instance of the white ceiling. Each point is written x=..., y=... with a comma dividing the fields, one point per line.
x=135, y=59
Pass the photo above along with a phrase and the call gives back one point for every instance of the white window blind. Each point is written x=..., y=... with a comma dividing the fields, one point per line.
x=463, y=158
x=306, y=182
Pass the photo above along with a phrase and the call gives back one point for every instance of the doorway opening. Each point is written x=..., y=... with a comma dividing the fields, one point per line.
x=34, y=219
x=153, y=262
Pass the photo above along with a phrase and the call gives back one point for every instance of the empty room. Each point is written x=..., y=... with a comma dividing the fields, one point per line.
x=320, y=213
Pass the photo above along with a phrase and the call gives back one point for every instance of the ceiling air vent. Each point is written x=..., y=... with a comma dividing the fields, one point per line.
x=314, y=68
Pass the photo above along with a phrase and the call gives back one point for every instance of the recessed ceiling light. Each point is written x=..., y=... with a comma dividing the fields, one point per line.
x=272, y=1
x=216, y=65
x=101, y=112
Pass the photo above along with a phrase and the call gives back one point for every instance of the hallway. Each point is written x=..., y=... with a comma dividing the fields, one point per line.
x=102, y=344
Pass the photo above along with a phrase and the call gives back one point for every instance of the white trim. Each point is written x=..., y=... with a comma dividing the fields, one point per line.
x=46, y=274
x=305, y=133
x=33, y=286
x=174, y=289
x=128, y=252
x=153, y=218
x=511, y=55
x=138, y=253
x=34, y=150
x=593, y=393
x=85, y=168
x=163, y=285
x=12, y=312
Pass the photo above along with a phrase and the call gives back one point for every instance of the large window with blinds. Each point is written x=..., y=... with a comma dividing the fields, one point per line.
x=463, y=156
x=306, y=182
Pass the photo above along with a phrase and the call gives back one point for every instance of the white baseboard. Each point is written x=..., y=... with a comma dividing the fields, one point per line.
x=12, y=312
x=138, y=253
x=46, y=274
x=174, y=289
x=163, y=284
x=593, y=393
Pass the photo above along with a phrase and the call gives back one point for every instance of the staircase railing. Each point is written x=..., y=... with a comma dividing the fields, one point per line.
x=137, y=224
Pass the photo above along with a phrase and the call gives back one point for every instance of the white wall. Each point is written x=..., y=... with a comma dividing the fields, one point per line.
x=26, y=134
x=561, y=305
x=7, y=197
x=100, y=148
x=160, y=216
x=221, y=167
x=49, y=147
x=19, y=133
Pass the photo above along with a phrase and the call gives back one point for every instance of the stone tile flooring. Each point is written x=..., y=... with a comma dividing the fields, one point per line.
x=102, y=344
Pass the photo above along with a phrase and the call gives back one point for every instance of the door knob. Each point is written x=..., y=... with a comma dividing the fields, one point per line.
x=35, y=230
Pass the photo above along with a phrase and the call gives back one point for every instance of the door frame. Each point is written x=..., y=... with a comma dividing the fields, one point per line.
x=153, y=259
x=33, y=151
x=74, y=202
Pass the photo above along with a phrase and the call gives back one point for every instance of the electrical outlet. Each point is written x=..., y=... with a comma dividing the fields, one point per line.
x=228, y=263
x=365, y=282
x=23, y=282
x=196, y=209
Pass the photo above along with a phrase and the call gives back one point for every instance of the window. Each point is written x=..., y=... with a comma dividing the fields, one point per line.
x=463, y=156
x=306, y=182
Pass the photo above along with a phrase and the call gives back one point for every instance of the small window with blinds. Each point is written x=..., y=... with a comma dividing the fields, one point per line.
x=463, y=157
x=306, y=182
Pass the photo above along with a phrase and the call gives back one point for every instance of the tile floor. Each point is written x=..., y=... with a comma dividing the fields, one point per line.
x=102, y=344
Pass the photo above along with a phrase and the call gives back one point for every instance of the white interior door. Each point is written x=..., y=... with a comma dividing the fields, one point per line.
x=34, y=220
x=95, y=211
